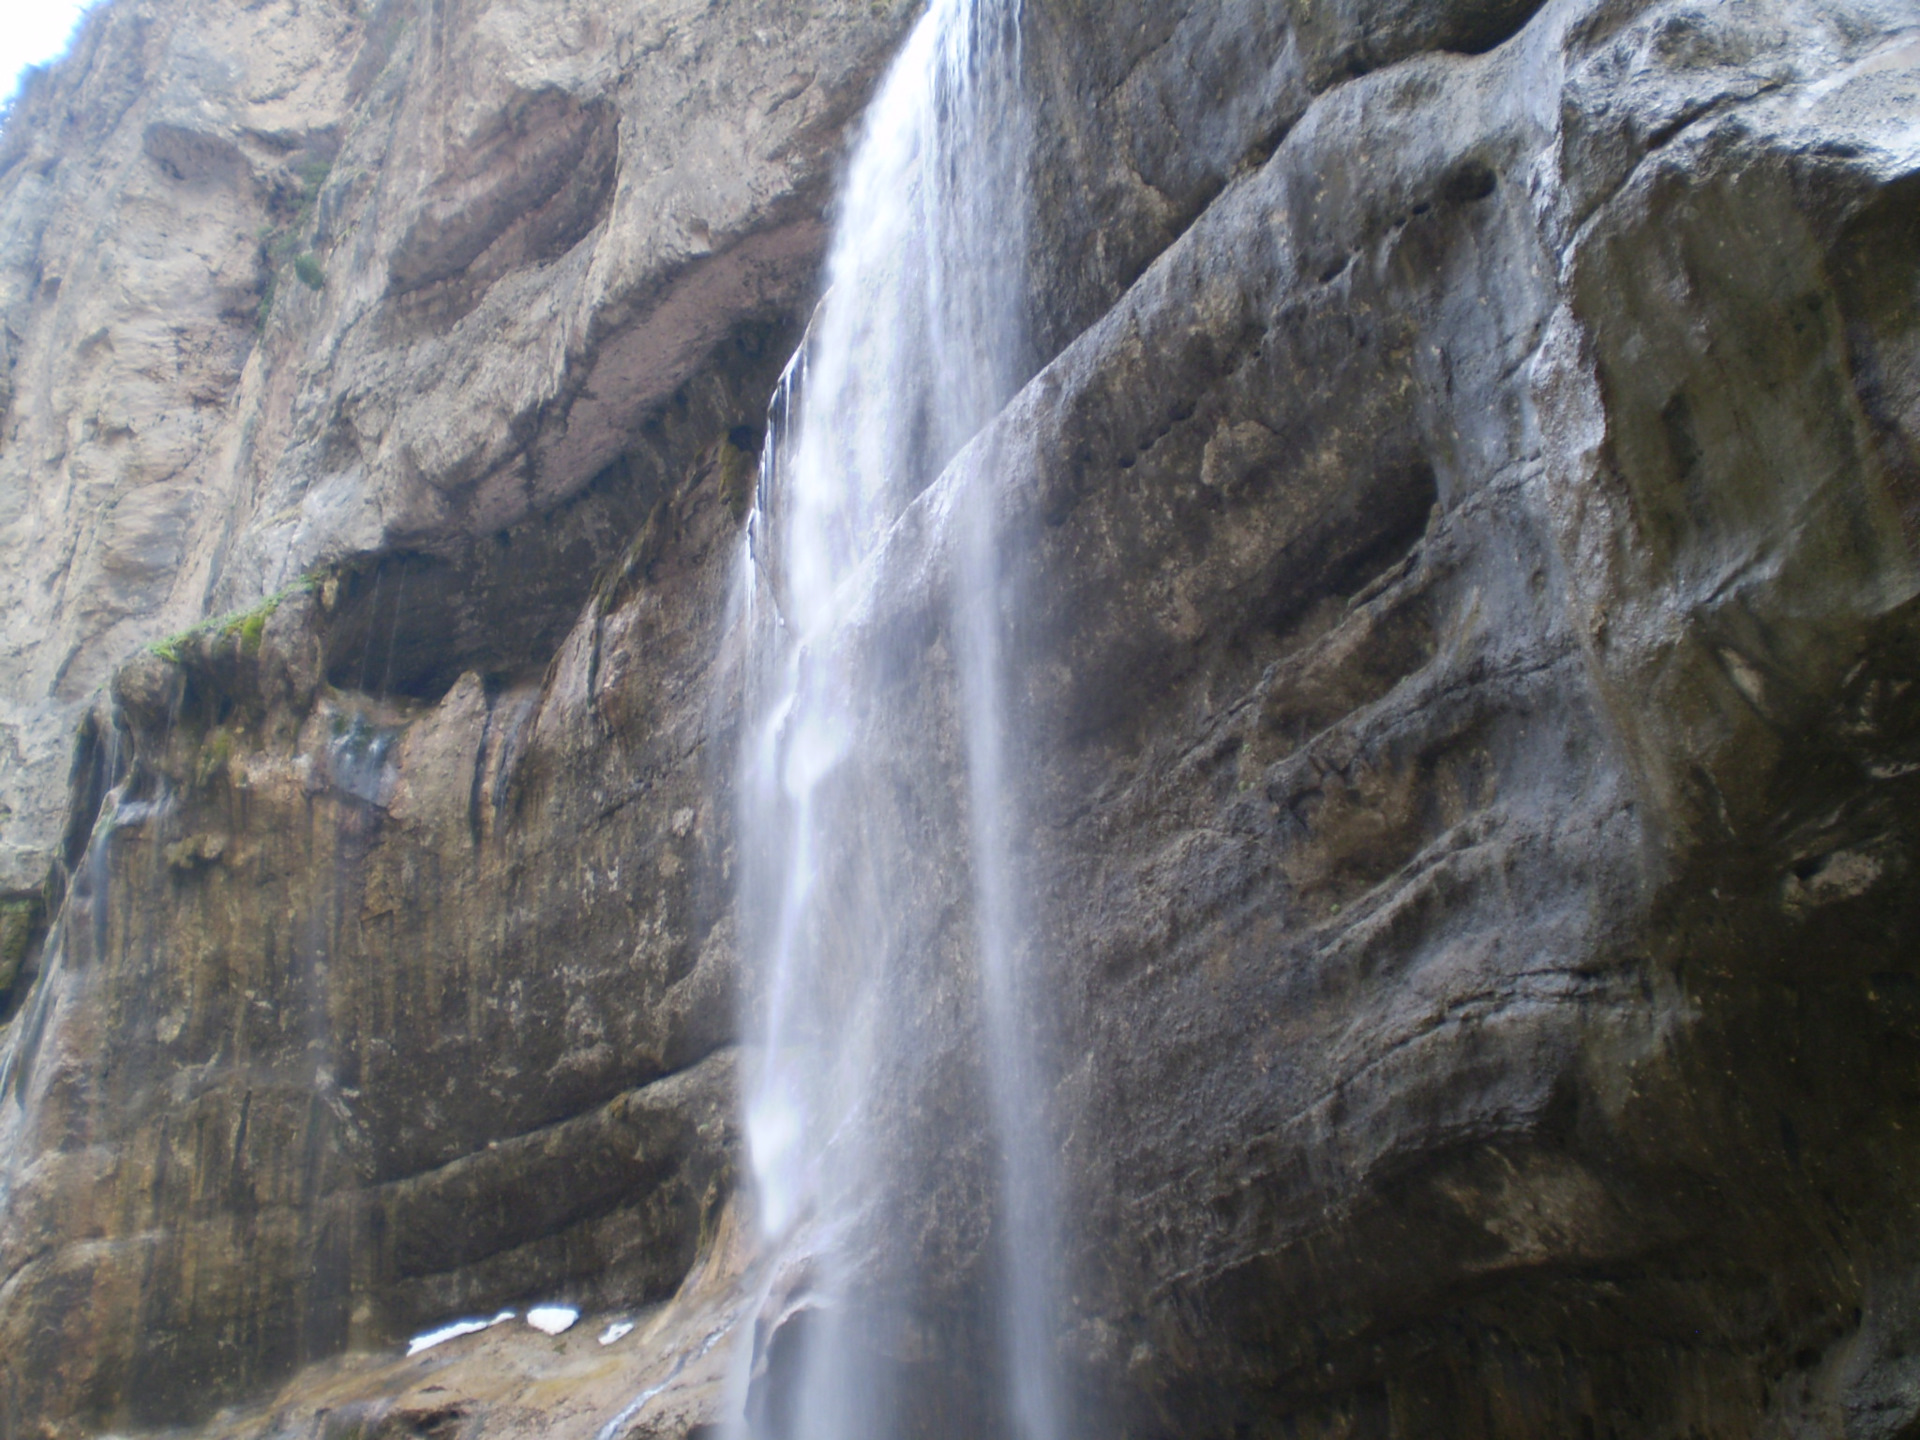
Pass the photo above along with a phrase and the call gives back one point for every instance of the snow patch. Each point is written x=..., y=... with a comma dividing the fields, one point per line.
x=453, y=1332
x=619, y=1330
x=552, y=1319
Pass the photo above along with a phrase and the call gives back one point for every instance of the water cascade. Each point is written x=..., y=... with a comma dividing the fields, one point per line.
x=877, y=807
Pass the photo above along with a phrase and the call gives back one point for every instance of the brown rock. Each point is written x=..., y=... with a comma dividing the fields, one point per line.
x=1464, y=581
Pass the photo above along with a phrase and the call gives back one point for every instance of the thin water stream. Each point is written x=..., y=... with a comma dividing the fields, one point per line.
x=853, y=811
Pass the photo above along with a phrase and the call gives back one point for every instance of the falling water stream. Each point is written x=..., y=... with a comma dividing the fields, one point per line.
x=918, y=342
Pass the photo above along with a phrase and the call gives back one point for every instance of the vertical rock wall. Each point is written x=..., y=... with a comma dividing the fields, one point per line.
x=1462, y=522
x=324, y=283
x=402, y=340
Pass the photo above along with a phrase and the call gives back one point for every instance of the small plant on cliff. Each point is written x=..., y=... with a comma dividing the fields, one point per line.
x=18, y=920
x=265, y=312
x=312, y=175
x=280, y=244
x=215, y=755
x=249, y=626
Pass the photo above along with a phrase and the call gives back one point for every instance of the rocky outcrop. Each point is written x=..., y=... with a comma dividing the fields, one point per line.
x=560, y=254
x=1464, y=613
x=1448, y=716
x=1479, y=547
x=314, y=283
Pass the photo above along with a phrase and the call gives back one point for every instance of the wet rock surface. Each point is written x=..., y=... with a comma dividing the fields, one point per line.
x=1464, y=625
x=1453, y=865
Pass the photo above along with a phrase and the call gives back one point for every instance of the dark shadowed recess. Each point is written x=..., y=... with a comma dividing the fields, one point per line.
x=101, y=756
x=411, y=622
x=1877, y=283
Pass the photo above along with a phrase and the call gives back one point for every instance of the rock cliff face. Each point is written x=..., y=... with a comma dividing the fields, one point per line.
x=1463, y=528
x=326, y=283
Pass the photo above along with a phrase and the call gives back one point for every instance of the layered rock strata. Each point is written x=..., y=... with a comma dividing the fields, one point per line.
x=330, y=283
x=1463, y=614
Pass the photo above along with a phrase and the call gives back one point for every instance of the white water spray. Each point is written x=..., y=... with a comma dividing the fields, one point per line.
x=853, y=811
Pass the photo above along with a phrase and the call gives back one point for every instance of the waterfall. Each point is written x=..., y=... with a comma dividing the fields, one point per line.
x=863, y=800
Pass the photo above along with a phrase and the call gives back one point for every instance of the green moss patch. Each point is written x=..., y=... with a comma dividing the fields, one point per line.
x=19, y=919
x=249, y=626
x=307, y=269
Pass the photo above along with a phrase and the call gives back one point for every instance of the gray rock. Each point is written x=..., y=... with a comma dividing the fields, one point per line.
x=1462, y=541
x=506, y=312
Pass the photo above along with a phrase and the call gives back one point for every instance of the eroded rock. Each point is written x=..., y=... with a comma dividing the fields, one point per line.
x=1462, y=533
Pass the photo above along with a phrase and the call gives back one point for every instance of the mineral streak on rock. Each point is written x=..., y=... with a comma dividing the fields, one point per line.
x=1465, y=642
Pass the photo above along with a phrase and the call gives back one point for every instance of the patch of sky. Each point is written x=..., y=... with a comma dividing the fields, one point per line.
x=34, y=32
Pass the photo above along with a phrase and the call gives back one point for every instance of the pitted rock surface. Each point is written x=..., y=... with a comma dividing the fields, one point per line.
x=1462, y=525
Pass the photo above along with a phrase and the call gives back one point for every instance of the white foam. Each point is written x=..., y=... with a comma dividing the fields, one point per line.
x=552, y=1319
x=453, y=1332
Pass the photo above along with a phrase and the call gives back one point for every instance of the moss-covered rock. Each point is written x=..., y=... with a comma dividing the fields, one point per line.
x=20, y=920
